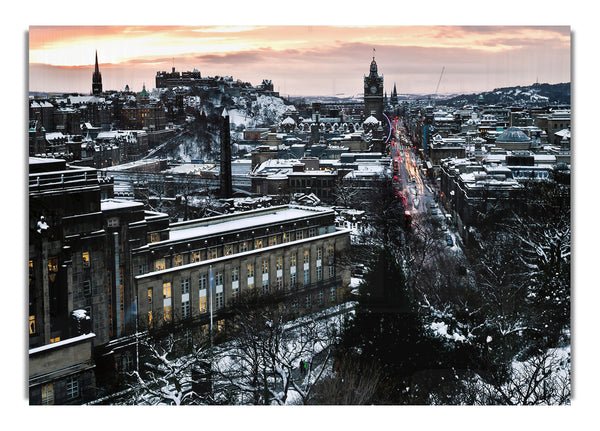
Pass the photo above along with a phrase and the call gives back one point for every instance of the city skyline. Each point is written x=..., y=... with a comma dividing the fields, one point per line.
x=303, y=60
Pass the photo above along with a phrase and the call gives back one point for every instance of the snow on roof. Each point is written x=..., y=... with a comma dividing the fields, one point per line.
x=62, y=343
x=235, y=222
x=54, y=135
x=371, y=120
x=111, y=204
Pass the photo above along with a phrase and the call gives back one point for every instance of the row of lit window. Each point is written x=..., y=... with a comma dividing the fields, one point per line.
x=235, y=288
x=229, y=249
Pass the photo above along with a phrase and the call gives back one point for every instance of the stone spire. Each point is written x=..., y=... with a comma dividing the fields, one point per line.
x=96, y=78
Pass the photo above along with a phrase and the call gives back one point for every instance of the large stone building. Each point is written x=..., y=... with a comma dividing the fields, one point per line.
x=102, y=269
x=290, y=250
x=68, y=296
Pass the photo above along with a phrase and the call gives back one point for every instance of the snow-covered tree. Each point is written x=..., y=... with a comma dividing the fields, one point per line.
x=270, y=356
x=543, y=379
x=165, y=376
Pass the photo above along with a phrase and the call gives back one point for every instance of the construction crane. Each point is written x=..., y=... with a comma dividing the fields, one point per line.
x=440, y=80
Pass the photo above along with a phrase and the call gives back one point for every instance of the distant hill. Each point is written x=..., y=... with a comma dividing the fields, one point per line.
x=532, y=95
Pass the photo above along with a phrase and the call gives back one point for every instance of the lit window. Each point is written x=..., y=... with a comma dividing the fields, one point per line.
x=150, y=296
x=31, y=325
x=167, y=307
x=220, y=325
x=250, y=274
x=178, y=260
x=258, y=243
x=202, y=302
x=286, y=237
x=166, y=290
x=306, y=256
x=293, y=259
x=273, y=240
x=53, y=264
x=228, y=249
x=154, y=237
x=150, y=319
x=279, y=262
x=159, y=264
x=196, y=256
x=85, y=257
x=54, y=340
x=212, y=253
x=243, y=246
x=48, y=394
x=167, y=313
x=265, y=266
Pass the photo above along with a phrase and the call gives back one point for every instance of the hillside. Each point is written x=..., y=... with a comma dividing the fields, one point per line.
x=533, y=95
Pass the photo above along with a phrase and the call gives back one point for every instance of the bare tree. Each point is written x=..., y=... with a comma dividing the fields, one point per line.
x=351, y=383
x=165, y=376
x=541, y=380
x=269, y=356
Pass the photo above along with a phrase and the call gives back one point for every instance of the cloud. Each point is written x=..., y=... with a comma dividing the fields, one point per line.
x=313, y=59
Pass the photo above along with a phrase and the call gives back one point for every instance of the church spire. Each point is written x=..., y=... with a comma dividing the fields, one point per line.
x=96, y=78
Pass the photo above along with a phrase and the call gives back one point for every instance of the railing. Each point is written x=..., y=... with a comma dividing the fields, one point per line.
x=62, y=179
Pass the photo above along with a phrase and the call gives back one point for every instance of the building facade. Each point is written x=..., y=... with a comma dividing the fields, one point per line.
x=292, y=251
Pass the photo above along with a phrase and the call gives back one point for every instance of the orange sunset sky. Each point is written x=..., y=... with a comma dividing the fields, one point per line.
x=302, y=60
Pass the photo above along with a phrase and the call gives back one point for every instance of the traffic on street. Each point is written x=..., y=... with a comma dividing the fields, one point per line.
x=413, y=187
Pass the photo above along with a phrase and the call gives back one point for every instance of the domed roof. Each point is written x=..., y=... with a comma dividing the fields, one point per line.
x=371, y=120
x=512, y=134
x=288, y=120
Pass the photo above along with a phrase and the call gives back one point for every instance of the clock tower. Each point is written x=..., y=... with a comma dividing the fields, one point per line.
x=374, y=93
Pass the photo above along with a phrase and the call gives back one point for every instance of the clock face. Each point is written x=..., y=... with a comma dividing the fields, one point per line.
x=373, y=90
